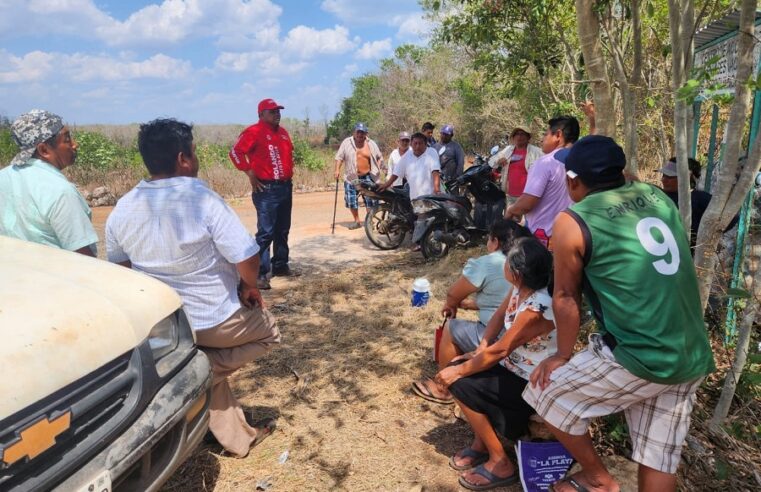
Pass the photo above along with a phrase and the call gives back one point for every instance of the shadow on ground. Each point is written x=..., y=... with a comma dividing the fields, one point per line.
x=340, y=380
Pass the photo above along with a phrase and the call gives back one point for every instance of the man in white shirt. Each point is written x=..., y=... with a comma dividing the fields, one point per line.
x=174, y=228
x=396, y=155
x=420, y=168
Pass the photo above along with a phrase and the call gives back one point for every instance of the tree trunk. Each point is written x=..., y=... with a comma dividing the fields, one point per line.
x=681, y=21
x=630, y=87
x=589, y=38
x=735, y=179
x=741, y=352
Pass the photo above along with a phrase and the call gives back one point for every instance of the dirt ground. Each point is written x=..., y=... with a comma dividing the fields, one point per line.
x=312, y=245
x=339, y=383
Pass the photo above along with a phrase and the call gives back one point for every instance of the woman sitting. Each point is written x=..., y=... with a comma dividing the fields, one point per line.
x=483, y=277
x=487, y=383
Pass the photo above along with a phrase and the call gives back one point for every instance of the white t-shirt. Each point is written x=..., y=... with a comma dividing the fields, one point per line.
x=525, y=358
x=393, y=160
x=417, y=171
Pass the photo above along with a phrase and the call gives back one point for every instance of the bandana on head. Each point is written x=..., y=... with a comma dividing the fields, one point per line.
x=31, y=129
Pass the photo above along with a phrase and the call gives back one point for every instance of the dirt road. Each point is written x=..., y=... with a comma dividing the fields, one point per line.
x=312, y=245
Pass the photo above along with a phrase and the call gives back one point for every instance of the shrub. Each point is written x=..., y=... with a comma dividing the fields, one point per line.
x=8, y=147
x=306, y=157
x=97, y=151
x=212, y=154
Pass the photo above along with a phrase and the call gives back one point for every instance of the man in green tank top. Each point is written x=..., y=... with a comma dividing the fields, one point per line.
x=624, y=246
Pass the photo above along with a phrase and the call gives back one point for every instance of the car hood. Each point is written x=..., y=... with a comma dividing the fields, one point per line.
x=64, y=315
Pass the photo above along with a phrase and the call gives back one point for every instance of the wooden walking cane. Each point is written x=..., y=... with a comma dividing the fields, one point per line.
x=335, y=206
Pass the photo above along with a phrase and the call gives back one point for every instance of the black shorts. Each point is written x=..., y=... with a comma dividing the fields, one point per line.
x=496, y=392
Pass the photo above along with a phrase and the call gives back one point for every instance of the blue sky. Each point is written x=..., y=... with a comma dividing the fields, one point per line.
x=205, y=61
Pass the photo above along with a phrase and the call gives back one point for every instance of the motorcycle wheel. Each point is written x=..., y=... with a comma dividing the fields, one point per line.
x=382, y=234
x=431, y=248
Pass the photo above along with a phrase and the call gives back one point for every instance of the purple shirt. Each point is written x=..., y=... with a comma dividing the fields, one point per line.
x=546, y=181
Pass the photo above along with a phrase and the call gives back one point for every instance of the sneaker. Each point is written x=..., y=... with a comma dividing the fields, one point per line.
x=263, y=283
x=285, y=272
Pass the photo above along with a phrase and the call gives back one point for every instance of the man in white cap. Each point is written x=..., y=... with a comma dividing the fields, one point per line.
x=451, y=155
x=396, y=156
x=37, y=202
x=515, y=160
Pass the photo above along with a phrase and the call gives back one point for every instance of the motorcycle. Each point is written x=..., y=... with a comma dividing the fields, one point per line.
x=387, y=223
x=453, y=219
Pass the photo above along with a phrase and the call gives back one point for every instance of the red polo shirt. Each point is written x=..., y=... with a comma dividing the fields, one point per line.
x=267, y=151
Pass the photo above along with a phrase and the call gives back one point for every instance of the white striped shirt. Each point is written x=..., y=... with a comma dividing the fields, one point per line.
x=179, y=231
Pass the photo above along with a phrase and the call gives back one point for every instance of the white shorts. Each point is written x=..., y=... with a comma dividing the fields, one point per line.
x=592, y=384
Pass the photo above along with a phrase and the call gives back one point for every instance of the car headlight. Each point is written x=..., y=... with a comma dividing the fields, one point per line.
x=164, y=337
x=423, y=206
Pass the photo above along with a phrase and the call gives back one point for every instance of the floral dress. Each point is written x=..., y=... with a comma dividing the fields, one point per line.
x=526, y=357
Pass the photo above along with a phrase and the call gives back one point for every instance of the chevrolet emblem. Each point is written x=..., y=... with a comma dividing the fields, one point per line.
x=37, y=438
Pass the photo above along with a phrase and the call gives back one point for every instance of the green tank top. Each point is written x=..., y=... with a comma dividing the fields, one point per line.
x=641, y=283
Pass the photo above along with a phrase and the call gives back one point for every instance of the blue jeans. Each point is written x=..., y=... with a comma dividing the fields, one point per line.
x=273, y=222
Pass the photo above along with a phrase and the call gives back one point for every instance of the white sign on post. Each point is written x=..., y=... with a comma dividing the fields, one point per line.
x=727, y=63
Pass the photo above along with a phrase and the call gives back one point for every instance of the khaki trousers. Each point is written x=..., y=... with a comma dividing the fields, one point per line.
x=243, y=337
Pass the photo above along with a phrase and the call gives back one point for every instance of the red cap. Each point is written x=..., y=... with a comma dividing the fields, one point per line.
x=265, y=104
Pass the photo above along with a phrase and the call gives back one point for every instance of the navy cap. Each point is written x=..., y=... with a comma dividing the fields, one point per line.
x=596, y=158
x=562, y=154
x=447, y=130
x=360, y=127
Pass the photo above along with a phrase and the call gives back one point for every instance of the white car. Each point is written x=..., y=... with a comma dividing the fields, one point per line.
x=103, y=387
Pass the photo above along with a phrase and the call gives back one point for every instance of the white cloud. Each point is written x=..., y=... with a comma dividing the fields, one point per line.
x=372, y=50
x=365, y=12
x=413, y=27
x=274, y=64
x=349, y=70
x=306, y=42
x=39, y=65
x=233, y=24
x=28, y=68
x=85, y=67
x=238, y=62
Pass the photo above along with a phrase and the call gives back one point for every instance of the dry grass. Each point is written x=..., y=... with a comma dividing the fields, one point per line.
x=340, y=383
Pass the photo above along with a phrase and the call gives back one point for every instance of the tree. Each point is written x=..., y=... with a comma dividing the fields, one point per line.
x=523, y=49
x=588, y=24
x=736, y=176
x=363, y=105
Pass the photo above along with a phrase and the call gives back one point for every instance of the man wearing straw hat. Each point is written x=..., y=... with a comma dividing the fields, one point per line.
x=37, y=202
x=515, y=160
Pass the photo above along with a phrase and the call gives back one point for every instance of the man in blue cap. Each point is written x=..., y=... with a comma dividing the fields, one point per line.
x=624, y=246
x=363, y=161
x=451, y=155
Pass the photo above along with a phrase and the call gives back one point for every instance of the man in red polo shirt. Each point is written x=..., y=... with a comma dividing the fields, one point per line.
x=265, y=153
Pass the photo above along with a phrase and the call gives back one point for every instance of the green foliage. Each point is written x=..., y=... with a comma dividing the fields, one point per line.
x=211, y=154
x=304, y=156
x=616, y=429
x=363, y=105
x=96, y=151
x=700, y=85
x=8, y=147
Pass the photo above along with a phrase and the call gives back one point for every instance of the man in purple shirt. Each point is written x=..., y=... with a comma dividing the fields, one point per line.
x=545, y=194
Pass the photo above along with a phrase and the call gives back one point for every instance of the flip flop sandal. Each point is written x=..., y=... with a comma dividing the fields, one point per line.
x=573, y=483
x=478, y=458
x=423, y=392
x=494, y=480
x=264, y=429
